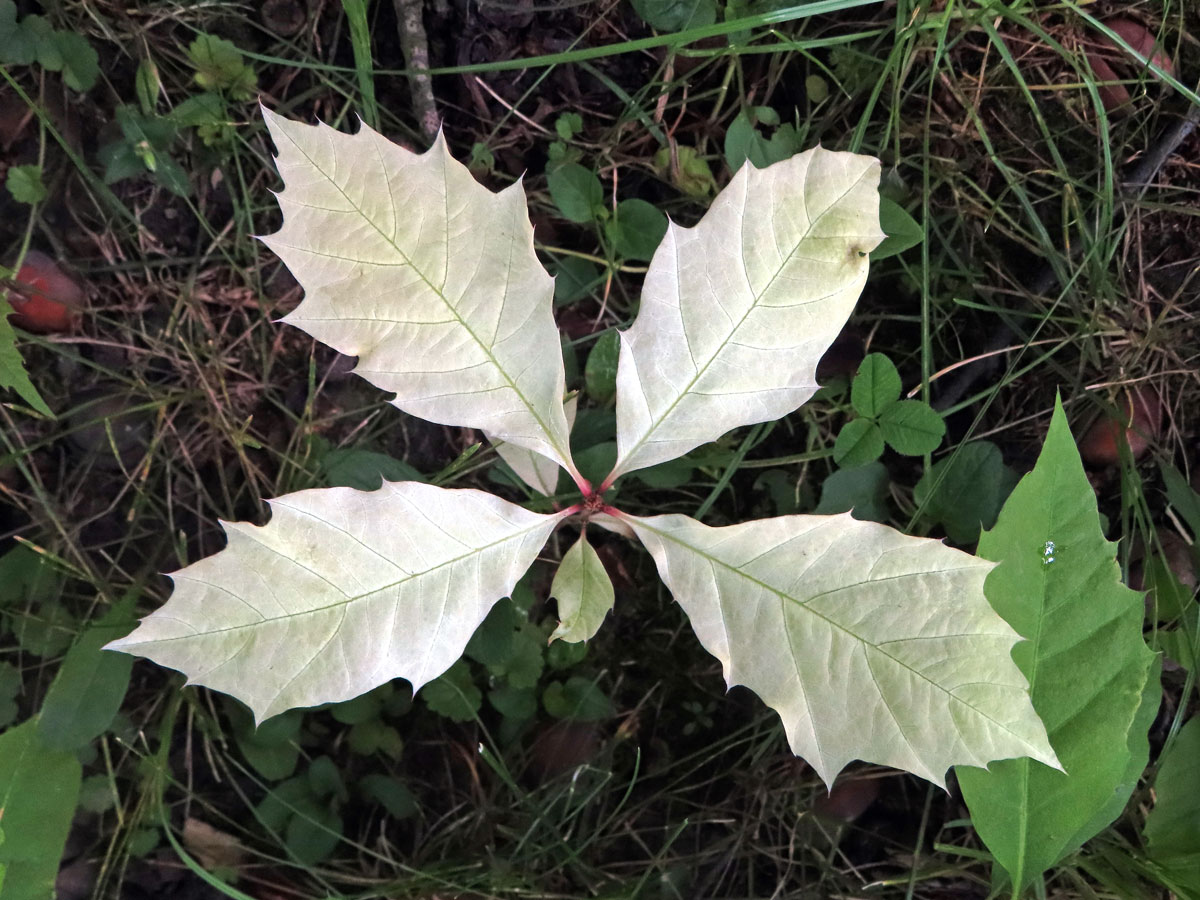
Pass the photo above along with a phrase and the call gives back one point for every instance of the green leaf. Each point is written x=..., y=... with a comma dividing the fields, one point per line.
x=220, y=66
x=912, y=427
x=567, y=125
x=313, y=832
x=902, y=230
x=600, y=372
x=583, y=591
x=454, y=694
x=876, y=386
x=575, y=278
x=494, y=641
x=273, y=748
x=676, y=15
x=870, y=644
x=364, y=470
x=39, y=788
x=637, y=229
x=47, y=630
x=81, y=63
x=363, y=708
x=391, y=793
x=757, y=318
x=25, y=185
x=578, y=699
x=859, y=442
x=12, y=368
x=1059, y=586
x=862, y=491
x=688, y=170
x=10, y=687
x=518, y=704
x=16, y=47
x=462, y=345
x=1173, y=827
x=201, y=110
x=743, y=141
x=340, y=592
x=90, y=685
x=524, y=666
x=325, y=780
x=972, y=485
x=576, y=192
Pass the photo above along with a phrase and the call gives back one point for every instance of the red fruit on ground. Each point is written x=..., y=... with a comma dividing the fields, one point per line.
x=1140, y=420
x=44, y=298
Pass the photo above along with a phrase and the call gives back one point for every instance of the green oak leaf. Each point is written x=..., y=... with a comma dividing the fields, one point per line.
x=1058, y=584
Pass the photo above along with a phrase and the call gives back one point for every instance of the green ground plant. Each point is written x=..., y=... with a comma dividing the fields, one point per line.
x=619, y=767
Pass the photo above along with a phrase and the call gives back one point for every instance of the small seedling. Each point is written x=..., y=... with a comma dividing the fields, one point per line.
x=870, y=644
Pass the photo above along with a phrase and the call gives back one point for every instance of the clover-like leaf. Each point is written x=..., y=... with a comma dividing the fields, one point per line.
x=426, y=276
x=341, y=591
x=870, y=644
x=737, y=311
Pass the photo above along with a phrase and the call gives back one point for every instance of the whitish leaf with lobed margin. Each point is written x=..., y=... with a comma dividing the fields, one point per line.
x=870, y=644
x=584, y=593
x=426, y=276
x=341, y=591
x=736, y=312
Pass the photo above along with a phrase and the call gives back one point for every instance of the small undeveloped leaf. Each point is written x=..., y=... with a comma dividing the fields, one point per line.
x=341, y=591
x=736, y=312
x=584, y=593
x=1173, y=826
x=427, y=277
x=876, y=386
x=870, y=644
x=912, y=427
x=1059, y=586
